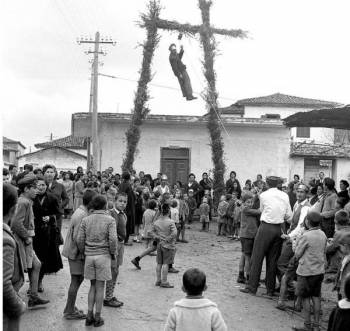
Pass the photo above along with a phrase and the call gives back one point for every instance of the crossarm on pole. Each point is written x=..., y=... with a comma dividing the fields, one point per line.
x=190, y=29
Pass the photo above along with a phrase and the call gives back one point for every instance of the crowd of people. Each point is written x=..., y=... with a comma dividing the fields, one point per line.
x=301, y=230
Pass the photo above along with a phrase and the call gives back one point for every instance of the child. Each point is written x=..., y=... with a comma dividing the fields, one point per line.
x=148, y=220
x=174, y=215
x=230, y=213
x=195, y=312
x=183, y=217
x=149, y=216
x=248, y=230
x=164, y=231
x=339, y=320
x=192, y=205
x=310, y=252
x=333, y=251
x=236, y=220
x=204, y=214
x=97, y=239
x=210, y=201
x=120, y=219
x=138, y=213
x=222, y=208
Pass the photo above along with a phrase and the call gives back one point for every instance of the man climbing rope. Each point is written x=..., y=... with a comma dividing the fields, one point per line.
x=180, y=71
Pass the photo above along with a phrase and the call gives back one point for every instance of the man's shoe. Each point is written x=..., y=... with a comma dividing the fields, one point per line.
x=247, y=290
x=99, y=322
x=191, y=98
x=35, y=301
x=173, y=271
x=76, y=315
x=157, y=283
x=112, y=303
x=184, y=241
x=89, y=321
x=136, y=263
x=127, y=244
x=166, y=285
x=281, y=306
x=241, y=279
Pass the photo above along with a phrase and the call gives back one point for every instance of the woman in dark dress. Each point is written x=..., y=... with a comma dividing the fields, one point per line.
x=205, y=184
x=47, y=233
x=343, y=193
x=138, y=213
x=230, y=187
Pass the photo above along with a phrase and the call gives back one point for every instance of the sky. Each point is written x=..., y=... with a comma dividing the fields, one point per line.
x=294, y=47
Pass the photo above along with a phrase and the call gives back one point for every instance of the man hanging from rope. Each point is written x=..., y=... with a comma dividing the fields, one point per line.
x=180, y=71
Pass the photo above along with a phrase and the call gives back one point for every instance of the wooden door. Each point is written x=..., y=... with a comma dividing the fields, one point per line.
x=175, y=164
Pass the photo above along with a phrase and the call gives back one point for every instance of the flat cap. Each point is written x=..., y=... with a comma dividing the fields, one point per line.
x=27, y=179
x=274, y=179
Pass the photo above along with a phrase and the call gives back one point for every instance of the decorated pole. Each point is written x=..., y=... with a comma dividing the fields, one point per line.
x=140, y=110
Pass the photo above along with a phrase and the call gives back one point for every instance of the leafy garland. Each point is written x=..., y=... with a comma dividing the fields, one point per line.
x=140, y=110
x=211, y=95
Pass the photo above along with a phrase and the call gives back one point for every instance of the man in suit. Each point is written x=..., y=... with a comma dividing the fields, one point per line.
x=320, y=179
x=180, y=72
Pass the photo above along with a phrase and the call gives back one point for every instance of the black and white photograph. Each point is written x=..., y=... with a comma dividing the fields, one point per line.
x=175, y=165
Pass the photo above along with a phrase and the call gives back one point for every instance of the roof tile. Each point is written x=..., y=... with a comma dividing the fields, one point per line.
x=66, y=142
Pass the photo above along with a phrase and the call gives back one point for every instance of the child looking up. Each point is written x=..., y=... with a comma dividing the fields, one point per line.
x=164, y=231
x=310, y=252
x=195, y=312
x=204, y=210
x=222, y=220
x=339, y=320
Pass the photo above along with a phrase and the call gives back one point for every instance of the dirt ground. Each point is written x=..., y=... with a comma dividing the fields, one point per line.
x=146, y=306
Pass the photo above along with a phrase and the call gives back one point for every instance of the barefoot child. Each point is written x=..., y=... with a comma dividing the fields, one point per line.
x=204, y=210
x=195, y=312
x=222, y=215
x=310, y=252
x=164, y=231
x=97, y=239
x=120, y=219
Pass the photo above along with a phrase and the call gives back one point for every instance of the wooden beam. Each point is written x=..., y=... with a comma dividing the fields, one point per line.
x=189, y=29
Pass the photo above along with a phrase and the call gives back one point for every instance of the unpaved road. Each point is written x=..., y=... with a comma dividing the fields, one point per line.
x=146, y=306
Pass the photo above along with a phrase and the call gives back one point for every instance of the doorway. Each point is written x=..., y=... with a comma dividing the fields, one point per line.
x=175, y=163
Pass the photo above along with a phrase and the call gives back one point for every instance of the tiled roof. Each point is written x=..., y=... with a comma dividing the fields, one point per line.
x=10, y=141
x=40, y=151
x=234, y=109
x=309, y=149
x=279, y=99
x=66, y=142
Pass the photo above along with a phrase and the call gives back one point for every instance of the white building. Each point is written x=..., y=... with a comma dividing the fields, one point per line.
x=255, y=141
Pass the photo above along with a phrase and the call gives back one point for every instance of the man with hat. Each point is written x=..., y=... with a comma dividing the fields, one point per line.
x=275, y=209
x=180, y=72
x=22, y=226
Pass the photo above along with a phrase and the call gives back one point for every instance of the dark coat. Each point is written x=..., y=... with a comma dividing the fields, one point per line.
x=176, y=63
x=230, y=189
x=46, y=240
x=196, y=193
x=13, y=275
x=130, y=206
x=138, y=210
x=59, y=191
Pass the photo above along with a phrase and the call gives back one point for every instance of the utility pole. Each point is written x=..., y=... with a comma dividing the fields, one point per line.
x=96, y=164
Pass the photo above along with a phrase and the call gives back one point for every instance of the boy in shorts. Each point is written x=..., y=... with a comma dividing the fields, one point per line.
x=248, y=230
x=164, y=231
x=195, y=312
x=310, y=252
x=120, y=218
x=97, y=239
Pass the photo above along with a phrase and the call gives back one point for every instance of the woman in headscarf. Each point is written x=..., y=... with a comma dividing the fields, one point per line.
x=47, y=234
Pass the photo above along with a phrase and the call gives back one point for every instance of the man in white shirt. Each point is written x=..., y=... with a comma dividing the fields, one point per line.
x=275, y=209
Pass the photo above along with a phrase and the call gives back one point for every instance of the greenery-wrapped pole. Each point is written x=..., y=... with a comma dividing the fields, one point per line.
x=211, y=95
x=140, y=110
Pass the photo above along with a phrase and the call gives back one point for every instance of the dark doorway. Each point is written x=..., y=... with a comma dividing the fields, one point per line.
x=175, y=164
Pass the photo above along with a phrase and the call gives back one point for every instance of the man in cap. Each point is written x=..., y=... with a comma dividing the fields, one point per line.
x=162, y=187
x=180, y=72
x=22, y=226
x=275, y=209
x=285, y=264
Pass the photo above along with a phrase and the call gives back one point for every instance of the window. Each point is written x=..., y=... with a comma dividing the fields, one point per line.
x=303, y=132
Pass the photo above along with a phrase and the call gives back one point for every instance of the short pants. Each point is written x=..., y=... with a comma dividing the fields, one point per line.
x=247, y=245
x=165, y=255
x=309, y=286
x=98, y=267
x=119, y=256
x=76, y=267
